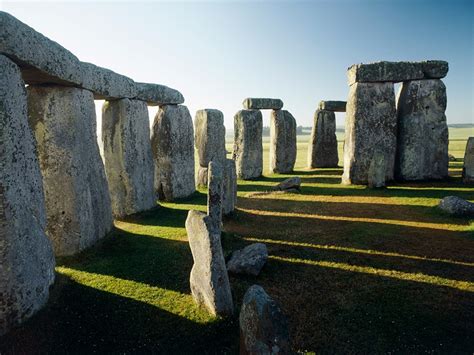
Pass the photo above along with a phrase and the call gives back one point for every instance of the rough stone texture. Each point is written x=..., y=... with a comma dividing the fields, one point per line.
x=371, y=123
x=26, y=254
x=263, y=326
x=262, y=104
x=127, y=155
x=172, y=144
x=335, y=106
x=434, y=69
x=422, y=146
x=230, y=187
x=289, y=184
x=468, y=166
x=215, y=192
x=250, y=260
x=282, y=142
x=201, y=177
x=76, y=192
x=155, y=94
x=456, y=206
x=377, y=168
x=209, y=280
x=248, y=149
x=322, y=145
x=209, y=136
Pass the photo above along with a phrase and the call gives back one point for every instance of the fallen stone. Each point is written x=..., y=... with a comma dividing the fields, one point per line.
x=209, y=136
x=322, y=145
x=155, y=94
x=215, y=192
x=250, y=260
x=371, y=123
x=334, y=106
x=451, y=157
x=377, y=168
x=282, y=142
x=456, y=206
x=26, y=255
x=201, y=177
x=77, y=197
x=248, y=149
x=208, y=280
x=468, y=165
x=172, y=144
x=422, y=151
x=230, y=187
x=288, y=184
x=263, y=326
x=262, y=104
x=127, y=156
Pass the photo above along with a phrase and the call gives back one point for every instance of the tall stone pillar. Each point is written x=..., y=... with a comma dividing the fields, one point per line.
x=282, y=142
x=26, y=254
x=230, y=187
x=77, y=197
x=248, y=149
x=468, y=165
x=322, y=147
x=128, y=157
x=172, y=144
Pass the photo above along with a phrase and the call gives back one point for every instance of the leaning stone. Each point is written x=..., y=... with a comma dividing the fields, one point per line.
x=371, y=123
x=263, y=326
x=262, y=104
x=282, y=142
x=215, y=192
x=209, y=136
x=288, y=184
x=155, y=94
x=384, y=71
x=172, y=144
x=468, y=165
x=230, y=187
x=77, y=196
x=434, y=69
x=422, y=151
x=127, y=156
x=335, y=106
x=250, y=260
x=201, y=177
x=248, y=149
x=456, y=206
x=322, y=145
x=209, y=280
x=26, y=255
x=377, y=168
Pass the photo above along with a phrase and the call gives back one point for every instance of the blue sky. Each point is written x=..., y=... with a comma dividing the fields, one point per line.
x=217, y=53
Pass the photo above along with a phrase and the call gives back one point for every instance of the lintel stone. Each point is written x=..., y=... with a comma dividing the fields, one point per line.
x=334, y=106
x=262, y=104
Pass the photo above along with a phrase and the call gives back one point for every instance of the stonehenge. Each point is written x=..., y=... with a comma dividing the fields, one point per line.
x=230, y=187
x=262, y=104
x=215, y=192
x=282, y=142
x=468, y=165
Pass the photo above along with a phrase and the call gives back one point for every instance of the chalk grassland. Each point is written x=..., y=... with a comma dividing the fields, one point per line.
x=355, y=270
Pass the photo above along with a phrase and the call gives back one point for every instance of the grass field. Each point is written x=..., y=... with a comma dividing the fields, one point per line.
x=355, y=270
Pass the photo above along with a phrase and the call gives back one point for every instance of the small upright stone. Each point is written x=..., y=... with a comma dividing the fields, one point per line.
x=209, y=280
x=468, y=166
x=322, y=145
x=262, y=104
x=282, y=142
x=172, y=143
x=376, y=176
x=230, y=187
x=248, y=149
x=334, y=106
x=215, y=192
x=209, y=136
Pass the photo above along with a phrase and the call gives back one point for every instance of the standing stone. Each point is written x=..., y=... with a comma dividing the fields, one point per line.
x=422, y=131
x=77, y=196
x=26, y=255
x=127, y=155
x=248, y=149
x=371, y=123
x=230, y=187
x=215, y=192
x=377, y=168
x=209, y=136
x=172, y=144
x=201, y=178
x=209, y=280
x=322, y=147
x=263, y=326
x=468, y=166
x=282, y=142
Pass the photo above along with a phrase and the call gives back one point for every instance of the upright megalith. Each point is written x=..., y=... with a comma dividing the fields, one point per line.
x=262, y=104
x=26, y=254
x=215, y=192
x=468, y=165
x=282, y=142
x=127, y=156
x=172, y=144
x=248, y=149
x=208, y=280
x=422, y=146
x=230, y=187
x=77, y=197
x=322, y=146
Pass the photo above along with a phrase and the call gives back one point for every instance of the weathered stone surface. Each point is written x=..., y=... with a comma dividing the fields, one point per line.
x=262, y=104
x=215, y=192
x=172, y=144
x=156, y=94
x=230, y=187
x=127, y=155
x=434, y=69
x=468, y=166
x=209, y=136
x=248, y=149
x=371, y=123
x=201, y=177
x=288, y=184
x=377, y=168
x=422, y=146
x=76, y=192
x=250, y=260
x=322, y=145
x=456, y=206
x=282, y=142
x=335, y=106
x=26, y=254
x=209, y=280
x=263, y=326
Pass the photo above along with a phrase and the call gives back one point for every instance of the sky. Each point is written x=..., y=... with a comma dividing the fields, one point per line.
x=218, y=53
